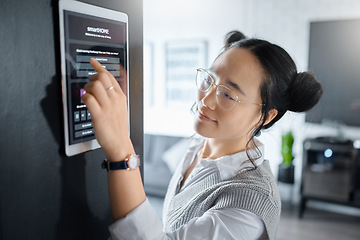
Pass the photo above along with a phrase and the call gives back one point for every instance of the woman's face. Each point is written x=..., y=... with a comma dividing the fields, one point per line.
x=239, y=70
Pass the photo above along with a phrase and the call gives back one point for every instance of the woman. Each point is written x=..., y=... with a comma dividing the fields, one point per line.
x=223, y=188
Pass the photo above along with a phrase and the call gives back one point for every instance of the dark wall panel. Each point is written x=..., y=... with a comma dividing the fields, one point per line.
x=43, y=193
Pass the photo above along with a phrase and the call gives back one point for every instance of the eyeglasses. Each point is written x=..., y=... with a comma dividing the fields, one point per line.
x=225, y=97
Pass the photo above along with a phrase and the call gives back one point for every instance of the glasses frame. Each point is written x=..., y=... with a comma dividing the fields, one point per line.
x=217, y=86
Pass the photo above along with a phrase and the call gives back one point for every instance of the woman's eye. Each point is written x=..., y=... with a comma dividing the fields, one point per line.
x=228, y=96
x=208, y=81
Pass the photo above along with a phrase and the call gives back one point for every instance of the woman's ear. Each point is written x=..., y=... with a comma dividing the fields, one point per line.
x=271, y=115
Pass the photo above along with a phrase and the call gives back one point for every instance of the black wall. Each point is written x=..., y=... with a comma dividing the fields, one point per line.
x=43, y=193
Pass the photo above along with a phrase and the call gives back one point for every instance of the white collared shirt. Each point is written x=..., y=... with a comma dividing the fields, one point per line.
x=228, y=166
x=229, y=223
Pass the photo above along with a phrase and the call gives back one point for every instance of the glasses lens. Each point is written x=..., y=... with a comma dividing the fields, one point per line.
x=225, y=97
x=203, y=80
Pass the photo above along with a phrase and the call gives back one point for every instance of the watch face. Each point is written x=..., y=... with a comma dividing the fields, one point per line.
x=133, y=162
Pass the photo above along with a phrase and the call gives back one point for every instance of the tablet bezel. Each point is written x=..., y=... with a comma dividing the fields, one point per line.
x=84, y=8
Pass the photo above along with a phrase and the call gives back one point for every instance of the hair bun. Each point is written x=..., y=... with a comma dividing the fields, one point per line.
x=304, y=92
x=233, y=36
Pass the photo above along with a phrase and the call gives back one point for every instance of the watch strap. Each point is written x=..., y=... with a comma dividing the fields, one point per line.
x=122, y=165
x=111, y=166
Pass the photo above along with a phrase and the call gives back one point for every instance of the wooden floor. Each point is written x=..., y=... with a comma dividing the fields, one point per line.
x=318, y=225
x=315, y=224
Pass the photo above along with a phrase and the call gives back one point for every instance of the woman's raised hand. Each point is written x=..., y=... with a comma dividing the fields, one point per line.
x=107, y=104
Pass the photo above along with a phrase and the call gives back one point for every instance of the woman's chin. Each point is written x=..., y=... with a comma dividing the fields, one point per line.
x=201, y=130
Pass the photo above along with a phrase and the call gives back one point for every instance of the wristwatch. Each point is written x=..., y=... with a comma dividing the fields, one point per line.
x=131, y=162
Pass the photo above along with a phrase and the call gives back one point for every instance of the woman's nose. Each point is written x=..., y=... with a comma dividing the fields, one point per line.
x=209, y=98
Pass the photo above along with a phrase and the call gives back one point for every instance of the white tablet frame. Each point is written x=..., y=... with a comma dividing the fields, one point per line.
x=84, y=8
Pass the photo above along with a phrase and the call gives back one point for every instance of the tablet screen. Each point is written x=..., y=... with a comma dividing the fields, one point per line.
x=87, y=36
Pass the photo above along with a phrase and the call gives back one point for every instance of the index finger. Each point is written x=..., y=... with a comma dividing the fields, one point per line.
x=104, y=72
x=96, y=65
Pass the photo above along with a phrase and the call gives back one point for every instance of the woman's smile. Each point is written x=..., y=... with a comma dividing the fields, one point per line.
x=204, y=117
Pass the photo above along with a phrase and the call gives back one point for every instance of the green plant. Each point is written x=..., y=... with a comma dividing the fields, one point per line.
x=286, y=148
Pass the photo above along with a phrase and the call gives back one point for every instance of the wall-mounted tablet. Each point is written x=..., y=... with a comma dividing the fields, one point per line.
x=86, y=32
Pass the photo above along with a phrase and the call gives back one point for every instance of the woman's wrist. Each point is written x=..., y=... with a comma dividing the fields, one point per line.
x=121, y=152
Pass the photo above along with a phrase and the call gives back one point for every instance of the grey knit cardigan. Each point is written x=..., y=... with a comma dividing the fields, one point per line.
x=253, y=190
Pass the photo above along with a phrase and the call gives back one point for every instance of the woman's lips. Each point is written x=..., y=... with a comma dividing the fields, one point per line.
x=202, y=116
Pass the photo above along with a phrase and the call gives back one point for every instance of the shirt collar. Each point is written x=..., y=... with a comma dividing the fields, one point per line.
x=230, y=165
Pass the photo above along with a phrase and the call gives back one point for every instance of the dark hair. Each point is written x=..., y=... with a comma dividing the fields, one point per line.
x=232, y=37
x=283, y=88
